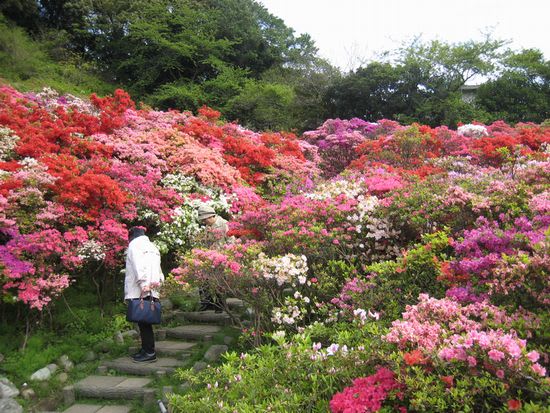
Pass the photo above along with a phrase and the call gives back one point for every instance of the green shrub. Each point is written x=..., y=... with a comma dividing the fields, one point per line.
x=405, y=278
x=288, y=377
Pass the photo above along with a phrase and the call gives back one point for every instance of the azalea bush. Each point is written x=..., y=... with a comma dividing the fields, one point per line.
x=383, y=267
x=75, y=174
x=465, y=355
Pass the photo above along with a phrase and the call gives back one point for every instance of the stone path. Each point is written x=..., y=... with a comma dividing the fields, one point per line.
x=136, y=380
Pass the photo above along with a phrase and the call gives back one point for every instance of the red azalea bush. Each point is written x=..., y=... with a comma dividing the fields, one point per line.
x=368, y=394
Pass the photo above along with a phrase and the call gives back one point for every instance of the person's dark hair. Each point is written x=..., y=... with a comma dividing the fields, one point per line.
x=135, y=232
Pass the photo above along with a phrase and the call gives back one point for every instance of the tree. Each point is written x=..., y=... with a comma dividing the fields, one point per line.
x=443, y=68
x=263, y=106
x=522, y=92
x=24, y=13
x=379, y=90
x=419, y=82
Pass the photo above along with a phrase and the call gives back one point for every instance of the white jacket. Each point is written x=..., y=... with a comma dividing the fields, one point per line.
x=142, y=267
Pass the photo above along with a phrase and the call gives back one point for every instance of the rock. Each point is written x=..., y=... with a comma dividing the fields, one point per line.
x=102, y=370
x=130, y=333
x=228, y=340
x=166, y=304
x=82, y=366
x=119, y=338
x=199, y=366
x=160, y=334
x=166, y=390
x=42, y=374
x=104, y=346
x=215, y=351
x=63, y=377
x=10, y=406
x=65, y=363
x=28, y=394
x=7, y=389
x=52, y=367
x=90, y=356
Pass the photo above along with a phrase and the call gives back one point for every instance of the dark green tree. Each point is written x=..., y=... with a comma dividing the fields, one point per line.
x=263, y=106
x=24, y=13
x=522, y=92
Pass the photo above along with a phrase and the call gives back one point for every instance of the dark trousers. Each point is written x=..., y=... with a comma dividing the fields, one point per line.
x=147, y=335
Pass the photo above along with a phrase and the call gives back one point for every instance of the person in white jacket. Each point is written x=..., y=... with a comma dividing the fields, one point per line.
x=143, y=278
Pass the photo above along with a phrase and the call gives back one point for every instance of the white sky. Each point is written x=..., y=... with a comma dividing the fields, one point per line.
x=350, y=31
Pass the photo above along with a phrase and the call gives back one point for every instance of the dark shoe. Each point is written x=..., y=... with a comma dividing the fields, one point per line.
x=146, y=358
x=138, y=354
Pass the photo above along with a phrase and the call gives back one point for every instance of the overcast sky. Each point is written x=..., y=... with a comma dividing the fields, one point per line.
x=348, y=31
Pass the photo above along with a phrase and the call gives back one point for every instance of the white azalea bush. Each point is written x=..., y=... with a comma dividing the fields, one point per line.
x=8, y=141
x=178, y=234
x=472, y=131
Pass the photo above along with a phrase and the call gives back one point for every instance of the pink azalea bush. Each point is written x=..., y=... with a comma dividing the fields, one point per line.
x=473, y=334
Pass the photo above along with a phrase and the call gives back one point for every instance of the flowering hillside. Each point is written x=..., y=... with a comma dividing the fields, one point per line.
x=388, y=267
x=75, y=174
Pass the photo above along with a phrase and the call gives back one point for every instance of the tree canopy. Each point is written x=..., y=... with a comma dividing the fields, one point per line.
x=236, y=57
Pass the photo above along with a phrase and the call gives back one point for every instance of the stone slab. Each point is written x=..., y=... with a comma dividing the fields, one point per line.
x=134, y=382
x=111, y=387
x=94, y=408
x=235, y=303
x=193, y=332
x=100, y=381
x=209, y=316
x=83, y=408
x=114, y=409
x=169, y=347
x=8, y=405
x=127, y=365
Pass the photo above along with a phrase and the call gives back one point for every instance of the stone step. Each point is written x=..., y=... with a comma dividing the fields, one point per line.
x=129, y=366
x=111, y=387
x=168, y=348
x=96, y=408
x=209, y=316
x=194, y=332
x=234, y=303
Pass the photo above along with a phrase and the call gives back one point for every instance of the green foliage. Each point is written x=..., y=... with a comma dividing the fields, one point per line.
x=263, y=106
x=522, y=92
x=378, y=90
x=421, y=82
x=331, y=275
x=27, y=66
x=73, y=326
x=469, y=394
x=451, y=389
x=278, y=378
x=405, y=278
